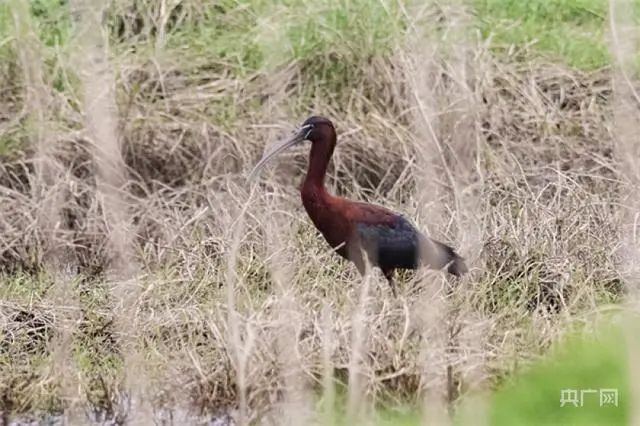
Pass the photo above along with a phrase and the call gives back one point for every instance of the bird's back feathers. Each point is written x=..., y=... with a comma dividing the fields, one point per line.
x=399, y=245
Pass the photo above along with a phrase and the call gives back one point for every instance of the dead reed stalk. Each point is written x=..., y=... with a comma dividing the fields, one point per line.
x=47, y=197
x=241, y=339
x=358, y=363
x=101, y=126
x=419, y=59
x=439, y=77
x=623, y=44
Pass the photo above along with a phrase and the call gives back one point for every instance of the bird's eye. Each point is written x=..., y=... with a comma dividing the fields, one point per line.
x=309, y=131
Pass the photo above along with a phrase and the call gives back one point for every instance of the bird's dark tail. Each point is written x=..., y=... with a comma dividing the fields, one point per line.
x=441, y=255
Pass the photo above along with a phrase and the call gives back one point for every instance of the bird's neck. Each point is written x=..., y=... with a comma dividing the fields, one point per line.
x=313, y=189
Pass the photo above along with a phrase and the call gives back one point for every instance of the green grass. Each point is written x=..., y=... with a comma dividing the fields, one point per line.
x=247, y=34
x=246, y=37
x=579, y=362
x=568, y=31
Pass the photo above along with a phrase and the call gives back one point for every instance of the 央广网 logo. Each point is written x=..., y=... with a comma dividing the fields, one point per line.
x=576, y=397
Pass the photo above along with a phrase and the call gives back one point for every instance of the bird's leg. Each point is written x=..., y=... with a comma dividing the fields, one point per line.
x=388, y=274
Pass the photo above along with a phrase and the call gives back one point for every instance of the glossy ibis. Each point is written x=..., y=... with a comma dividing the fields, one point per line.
x=390, y=241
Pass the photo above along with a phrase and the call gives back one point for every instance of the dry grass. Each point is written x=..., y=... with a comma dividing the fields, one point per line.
x=230, y=300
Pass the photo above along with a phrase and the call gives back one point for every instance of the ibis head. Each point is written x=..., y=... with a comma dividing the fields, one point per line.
x=315, y=129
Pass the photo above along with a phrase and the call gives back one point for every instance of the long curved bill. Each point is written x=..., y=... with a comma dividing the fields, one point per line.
x=297, y=138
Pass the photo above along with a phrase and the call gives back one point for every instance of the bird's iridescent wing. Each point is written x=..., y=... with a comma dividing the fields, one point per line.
x=393, y=242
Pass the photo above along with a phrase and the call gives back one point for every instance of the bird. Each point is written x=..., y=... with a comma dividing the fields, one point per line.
x=353, y=228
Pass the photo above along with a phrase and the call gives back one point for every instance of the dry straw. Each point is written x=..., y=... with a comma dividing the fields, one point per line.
x=623, y=47
x=511, y=162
